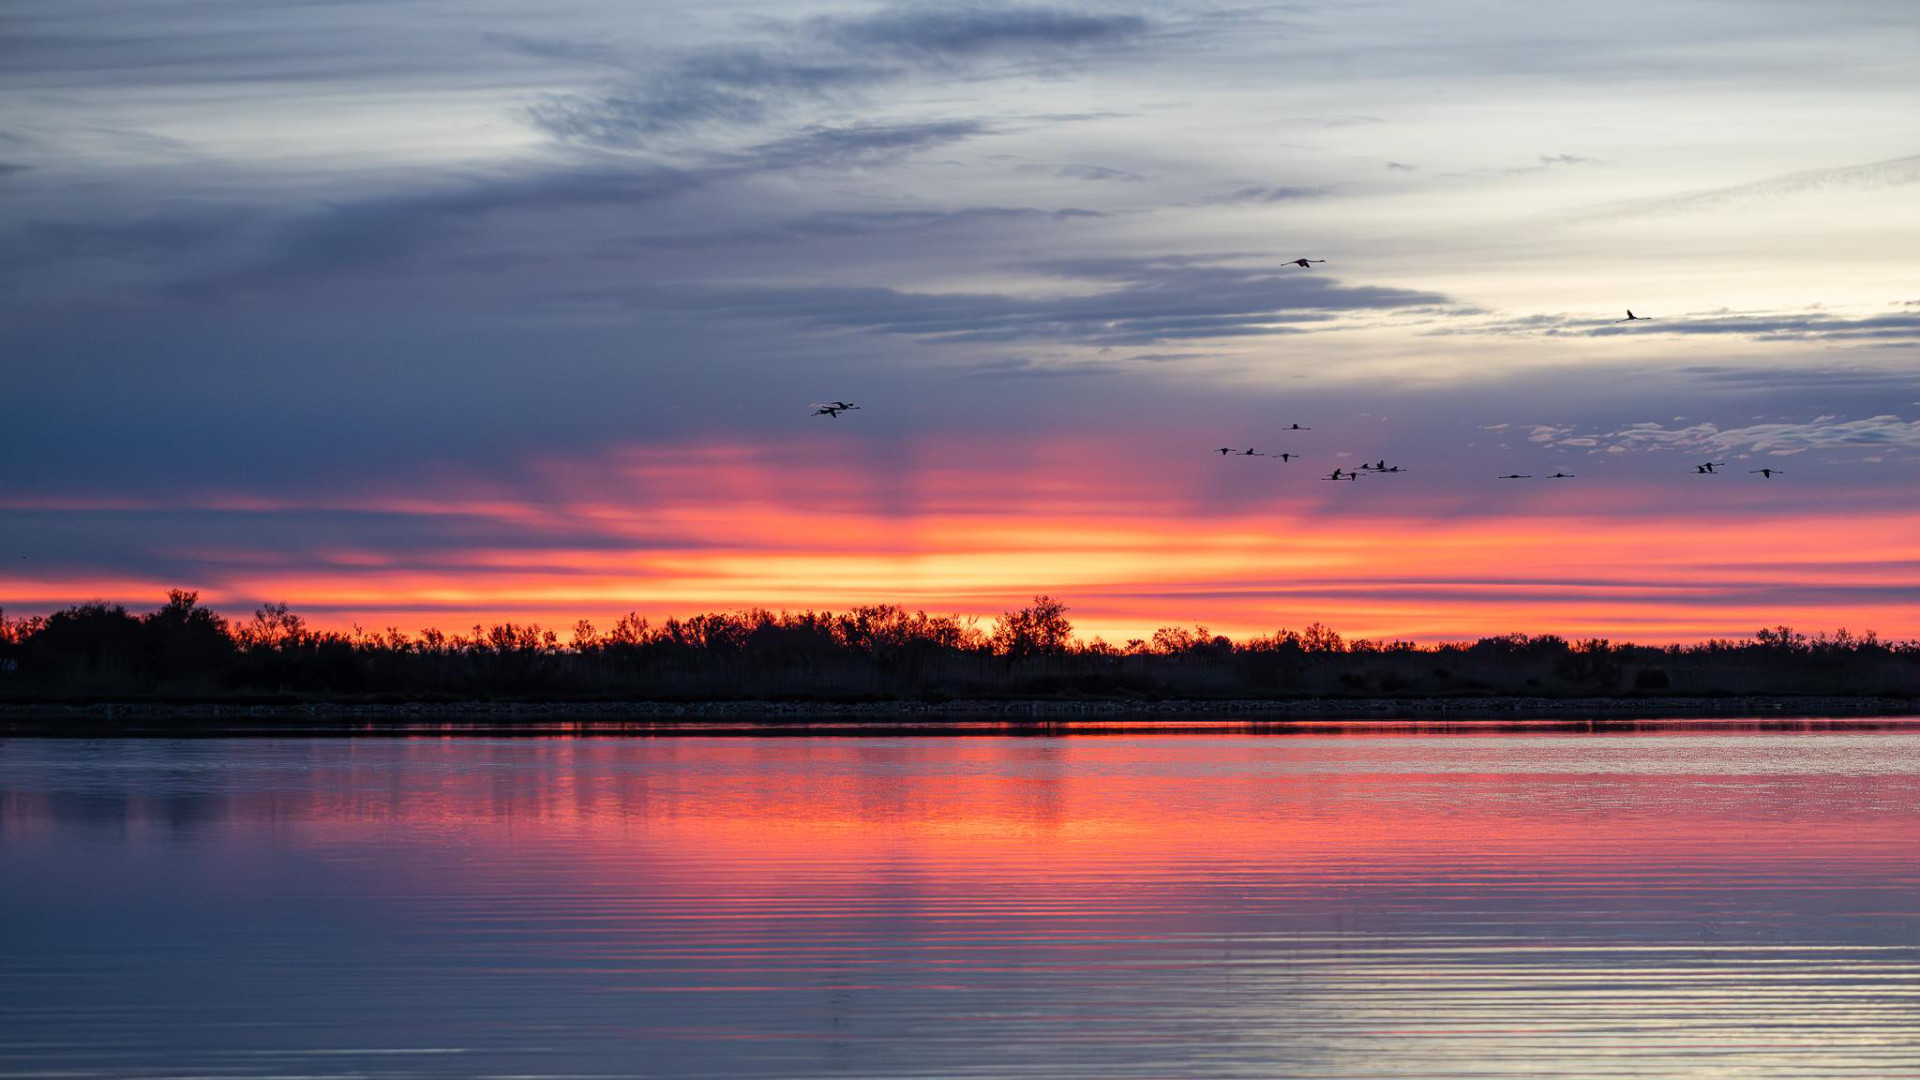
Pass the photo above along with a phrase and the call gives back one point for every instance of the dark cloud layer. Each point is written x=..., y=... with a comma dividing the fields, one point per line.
x=971, y=31
x=1141, y=301
x=864, y=144
x=754, y=85
x=739, y=87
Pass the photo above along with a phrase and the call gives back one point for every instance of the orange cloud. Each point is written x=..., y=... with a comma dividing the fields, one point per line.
x=1131, y=543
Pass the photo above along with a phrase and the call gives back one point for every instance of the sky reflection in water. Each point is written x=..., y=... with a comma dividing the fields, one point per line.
x=1666, y=904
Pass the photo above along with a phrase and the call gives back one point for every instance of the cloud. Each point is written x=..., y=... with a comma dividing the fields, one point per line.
x=866, y=222
x=1095, y=172
x=1551, y=161
x=1269, y=195
x=861, y=144
x=1895, y=172
x=756, y=84
x=741, y=87
x=1141, y=301
x=1027, y=367
x=1760, y=326
x=215, y=250
x=1880, y=433
x=1800, y=380
x=1813, y=326
x=543, y=47
x=960, y=31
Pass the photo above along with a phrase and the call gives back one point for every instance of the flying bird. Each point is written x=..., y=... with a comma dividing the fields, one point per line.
x=1631, y=317
x=1340, y=475
x=1307, y=262
x=1224, y=451
x=1285, y=457
x=1768, y=473
x=827, y=410
x=1297, y=427
x=1517, y=476
x=1708, y=467
x=1561, y=476
x=1249, y=452
x=843, y=405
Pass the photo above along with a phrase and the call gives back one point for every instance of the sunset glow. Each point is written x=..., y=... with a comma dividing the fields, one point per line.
x=465, y=317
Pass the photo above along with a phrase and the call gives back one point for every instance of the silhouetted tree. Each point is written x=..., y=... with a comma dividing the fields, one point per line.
x=1039, y=629
x=185, y=639
x=96, y=642
x=884, y=650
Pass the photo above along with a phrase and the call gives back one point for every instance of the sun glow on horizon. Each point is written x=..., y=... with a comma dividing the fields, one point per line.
x=1132, y=546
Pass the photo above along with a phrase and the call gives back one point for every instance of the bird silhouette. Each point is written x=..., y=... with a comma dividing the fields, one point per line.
x=843, y=405
x=1249, y=452
x=1517, y=476
x=1631, y=317
x=1768, y=473
x=1307, y=262
x=1561, y=476
x=827, y=410
x=1224, y=451
x=1297, y=427
x=1285, y=457
x=1342, y=475
x=1708, y=467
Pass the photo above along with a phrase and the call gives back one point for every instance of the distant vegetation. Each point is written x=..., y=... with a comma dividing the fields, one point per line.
x=184, y=651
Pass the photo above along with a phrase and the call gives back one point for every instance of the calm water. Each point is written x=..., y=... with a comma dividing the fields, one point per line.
x=1727, y=904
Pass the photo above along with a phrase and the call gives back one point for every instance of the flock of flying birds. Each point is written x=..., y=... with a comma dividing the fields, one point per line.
x=833, y=409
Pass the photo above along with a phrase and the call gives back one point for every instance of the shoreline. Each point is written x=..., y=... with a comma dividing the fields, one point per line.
x=135, y=719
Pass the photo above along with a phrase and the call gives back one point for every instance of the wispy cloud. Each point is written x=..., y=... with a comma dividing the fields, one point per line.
x=969, y=31
x=1896, y=172
x=1269, y=194
x=742, y=87
x=861, y=144
x=1872, y=434
x=1892, y=326
x=1138, y=301
x=802, y=63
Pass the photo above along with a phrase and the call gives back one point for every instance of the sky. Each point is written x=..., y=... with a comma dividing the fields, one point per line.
x=424, y=315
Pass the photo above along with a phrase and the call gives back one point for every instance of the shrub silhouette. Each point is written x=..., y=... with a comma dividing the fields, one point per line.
x=881, y=651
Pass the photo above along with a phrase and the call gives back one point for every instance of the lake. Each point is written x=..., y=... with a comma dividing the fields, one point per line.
x=1689, y=901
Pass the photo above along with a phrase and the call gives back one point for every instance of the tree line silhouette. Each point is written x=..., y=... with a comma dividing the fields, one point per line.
x=186, y=651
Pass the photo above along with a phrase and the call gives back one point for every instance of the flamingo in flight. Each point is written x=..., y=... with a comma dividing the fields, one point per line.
x=1561, y=476
x=1768, y=473
x=1708, y=467
x=1340, y=475
x=1285, y=457
x=1631, y=317
x=1306, y=262
x=1517, y=476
